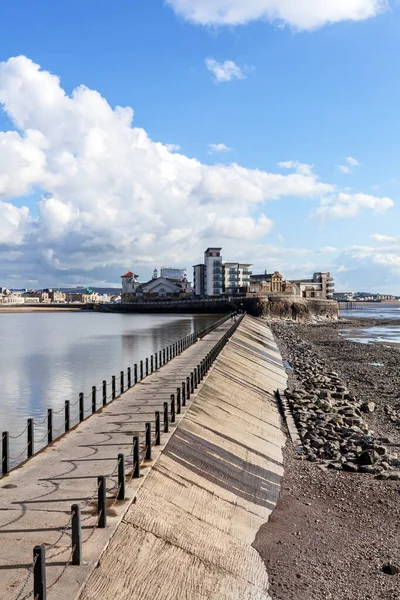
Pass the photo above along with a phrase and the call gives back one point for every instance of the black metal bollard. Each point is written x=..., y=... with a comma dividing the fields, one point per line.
x=166, y=418
x=178, y=400
x=148, y=442
x=129, y=378
x=187, y=388
x=5, y=452
x=31, y=447
x=94, y=399
x=195, y=377
x=141, y=370
x=157, y=441
x=135, y=375
x=121, y=477
x=183, y=394
x=67, y=415
x=151, y=364
x=121, y=383
x=160, y=358
x=49, y=425
x=39, y=573
x=172, y=408
x=104, y=392
x=156, y=361
x=198, y=374
x=147, y=367
x=113, y=387
x=163, y=354
x=101, y=501
x=81, y=407
x=136, y=457
x=76, y=535
x=191, y=382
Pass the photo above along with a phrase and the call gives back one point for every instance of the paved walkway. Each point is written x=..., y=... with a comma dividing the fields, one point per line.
x=36, y=499
x=189, y=534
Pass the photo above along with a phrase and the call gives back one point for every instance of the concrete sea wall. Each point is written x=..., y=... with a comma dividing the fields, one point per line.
x=189, y=534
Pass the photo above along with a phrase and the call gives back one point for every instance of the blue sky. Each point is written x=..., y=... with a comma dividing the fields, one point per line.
x=85, y=194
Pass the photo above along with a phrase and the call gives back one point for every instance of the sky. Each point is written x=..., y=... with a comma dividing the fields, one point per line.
x=136, y=133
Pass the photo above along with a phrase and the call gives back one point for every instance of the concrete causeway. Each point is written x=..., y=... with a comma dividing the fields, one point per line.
x=189, y=534
x=186, y=527
x=36, y=498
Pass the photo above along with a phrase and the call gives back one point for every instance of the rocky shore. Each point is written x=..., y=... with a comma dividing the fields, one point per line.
x=335, y=531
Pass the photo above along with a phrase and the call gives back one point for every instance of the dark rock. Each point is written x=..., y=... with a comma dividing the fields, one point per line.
x=390, y=569
x=368, y=457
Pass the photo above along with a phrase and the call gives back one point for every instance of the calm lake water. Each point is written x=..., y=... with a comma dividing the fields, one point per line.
x=47, y=358
x=386, y=334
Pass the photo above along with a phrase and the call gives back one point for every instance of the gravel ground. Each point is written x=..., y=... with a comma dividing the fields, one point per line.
x=335, y=533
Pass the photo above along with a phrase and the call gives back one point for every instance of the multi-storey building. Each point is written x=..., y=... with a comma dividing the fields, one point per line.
x=216, y=277
x=321, y=285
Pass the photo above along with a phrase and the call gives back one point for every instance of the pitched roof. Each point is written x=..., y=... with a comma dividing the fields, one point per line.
x=128, y=274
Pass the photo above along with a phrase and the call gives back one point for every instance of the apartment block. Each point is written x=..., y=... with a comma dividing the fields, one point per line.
x=216, y=277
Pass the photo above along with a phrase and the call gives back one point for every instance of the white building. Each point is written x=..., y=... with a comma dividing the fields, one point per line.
x=129, y=285
x=216, y=277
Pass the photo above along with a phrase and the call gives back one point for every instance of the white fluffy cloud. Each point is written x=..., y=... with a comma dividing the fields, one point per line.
x=225, y=71
x=298, y=14
x=112, y=198
x=385, y=239
x=213, y=148
x=351, y=163
x=350, y=205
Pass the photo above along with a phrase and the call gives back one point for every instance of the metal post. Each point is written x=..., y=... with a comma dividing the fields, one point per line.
x=39, y=573
x=121, y=477
x=167, y=349
x=196, y=383
x=141, y=370
x=172, y=408
x=148, y=442
x=81, y=407
x=129, y=378
x=163, y=355
x=113, y=387
x=198, y=374
x=160, y=358
x=187, y=388
x=156, y=361
x=178, y=400
x=151, y=364
x=158, y=429
x=49, y=425
x=121, y=383
x=104, y=392
x=67, y=413
x=101, y=501
x=191, y=383
x=93, y=399
x=166, y=419
x=135, y=377
x=136, y=458
x=31, y=448
x=76, y=535
x=183, y=394
x=5, y=453
x=147, y=367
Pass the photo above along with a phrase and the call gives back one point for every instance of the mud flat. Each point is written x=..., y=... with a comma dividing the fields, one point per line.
x=335, y=531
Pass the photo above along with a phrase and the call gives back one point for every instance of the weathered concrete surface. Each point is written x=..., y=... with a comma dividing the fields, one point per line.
x=35, y=499
x=189, y=535
x=282, y=306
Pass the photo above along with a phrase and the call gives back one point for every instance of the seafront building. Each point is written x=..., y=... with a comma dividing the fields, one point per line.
x=216, y=277
x=171, y=283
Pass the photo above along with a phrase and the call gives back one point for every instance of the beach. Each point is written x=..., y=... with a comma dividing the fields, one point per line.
x=335, y=531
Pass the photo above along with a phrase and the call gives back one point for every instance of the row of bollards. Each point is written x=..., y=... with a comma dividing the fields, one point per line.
x=140, y=371
x=170, y=410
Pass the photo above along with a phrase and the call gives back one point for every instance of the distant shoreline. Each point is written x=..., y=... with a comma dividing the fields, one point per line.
x=27, y=309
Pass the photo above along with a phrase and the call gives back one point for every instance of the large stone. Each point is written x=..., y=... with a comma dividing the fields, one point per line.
x=368, y=407
x=368, y=457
